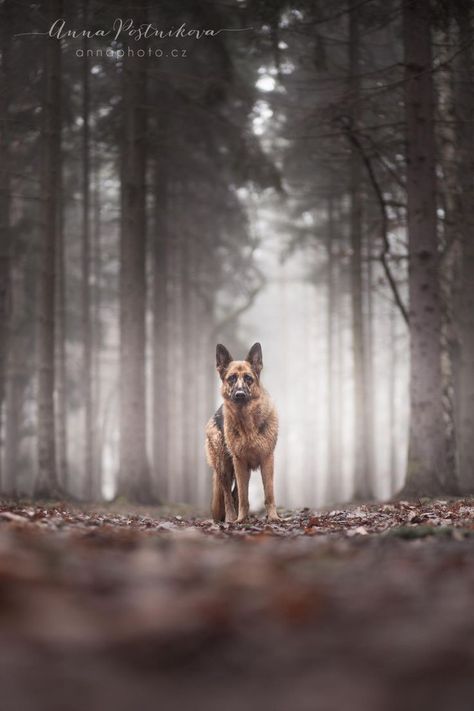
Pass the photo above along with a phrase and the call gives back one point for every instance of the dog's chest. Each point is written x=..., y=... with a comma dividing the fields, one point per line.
x=245, y=442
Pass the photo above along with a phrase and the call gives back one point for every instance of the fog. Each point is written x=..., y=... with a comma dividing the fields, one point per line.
x=153, y=208
x=290, y=318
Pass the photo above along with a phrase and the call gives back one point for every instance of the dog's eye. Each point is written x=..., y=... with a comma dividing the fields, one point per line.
x=231, y=379
x=248, y=379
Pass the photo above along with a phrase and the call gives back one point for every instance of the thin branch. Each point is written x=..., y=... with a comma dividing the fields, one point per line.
x=335, y=16
x=234, y=315
x=385, y=252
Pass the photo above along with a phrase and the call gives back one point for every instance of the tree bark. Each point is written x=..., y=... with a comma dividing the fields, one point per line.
x=333, y=470
x=134, y=478
x=427, y=472
x=392, y=375
x=161, y=425
x=5, y=234
x=464, y=108
x=175, y=381
x=60, y=337
x=86, y=301
x=186, y=347
x=196, y=422
x=362, y=478
x=370, y=354
x=15, y=381
x=46, y=485
x=96, y=325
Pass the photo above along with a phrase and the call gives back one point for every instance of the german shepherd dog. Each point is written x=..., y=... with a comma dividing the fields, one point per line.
x=241, y=436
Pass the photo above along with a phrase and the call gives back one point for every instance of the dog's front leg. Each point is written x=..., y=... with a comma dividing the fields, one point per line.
x=242, y=475
x=267, y=478
x=227, y=477
x=230, y=514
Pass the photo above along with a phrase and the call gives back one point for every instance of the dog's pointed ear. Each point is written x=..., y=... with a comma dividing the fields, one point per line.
x=223, y=358
x=254, y=357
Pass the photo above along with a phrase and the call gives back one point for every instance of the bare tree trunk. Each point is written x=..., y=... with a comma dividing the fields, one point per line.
x=465, y=214
x=340, y=287
x=209, y=381
x=392, y=380
x=449, y=238
x=97, y=336
x=193, y=422
x=334, y=473
x=46, y=483
x=427, y=457
x=311, y=397
x=370, y=380
x=14, y=401
x=284, y=454
x=202, y=327
x=5, y=235
x=134, y=479
x=176, y=428
x=15, y=384
x=161, y=430
x=172, y=330
x=60, y=336
x=86, y=305
x=362, y=481
x=186, y=350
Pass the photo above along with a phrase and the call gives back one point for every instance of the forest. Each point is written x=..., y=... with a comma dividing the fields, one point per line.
x=185, y=173
x=310, y=189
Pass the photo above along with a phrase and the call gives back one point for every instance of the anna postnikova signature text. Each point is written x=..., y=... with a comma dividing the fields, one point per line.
x=128, y=28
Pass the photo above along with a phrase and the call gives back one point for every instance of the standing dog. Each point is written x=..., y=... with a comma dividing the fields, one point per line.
x=241, y=436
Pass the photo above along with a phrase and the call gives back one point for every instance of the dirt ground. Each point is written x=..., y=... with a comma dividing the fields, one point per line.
x=368, y=608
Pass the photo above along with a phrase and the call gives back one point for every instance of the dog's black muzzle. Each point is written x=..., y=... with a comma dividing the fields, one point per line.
x=240, y=395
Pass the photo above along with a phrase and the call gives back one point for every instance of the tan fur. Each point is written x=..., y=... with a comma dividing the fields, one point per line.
x=246, y=441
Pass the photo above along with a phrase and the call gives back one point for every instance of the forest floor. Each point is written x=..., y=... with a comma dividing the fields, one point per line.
x=367, y=608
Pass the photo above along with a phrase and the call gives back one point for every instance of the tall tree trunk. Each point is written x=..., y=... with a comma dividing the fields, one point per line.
x=464, y=108
x=172, y=329
x=340, y=287
x=284, y=453
x=362, y=479
x=209, y=375
x=176, y=427
x=204, y=408
x=46, y=483
x=449, y=238
x=5, y=236
x=392, y=395
x=188, y=394
x=427, y=456
x=134, y=479
x=86, y=305
x=161, y=429
x=194, y=424
x=97, y=334
x=60, y=336
x=370, y=380
x=333, y=470
x=14, y=401
x=16, y=379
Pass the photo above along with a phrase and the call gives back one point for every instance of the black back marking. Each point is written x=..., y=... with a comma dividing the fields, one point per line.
x=219, y=419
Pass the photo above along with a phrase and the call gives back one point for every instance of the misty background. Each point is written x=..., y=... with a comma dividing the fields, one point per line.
x=302, y=179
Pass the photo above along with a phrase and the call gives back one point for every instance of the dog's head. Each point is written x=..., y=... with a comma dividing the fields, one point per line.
x=240, y=378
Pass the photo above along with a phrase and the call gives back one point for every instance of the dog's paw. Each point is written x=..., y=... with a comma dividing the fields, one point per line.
x=242, y=519
x=273, y=518
x=231, y=518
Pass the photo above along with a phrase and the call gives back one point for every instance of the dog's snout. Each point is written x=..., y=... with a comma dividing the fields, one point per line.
x=240, y=395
